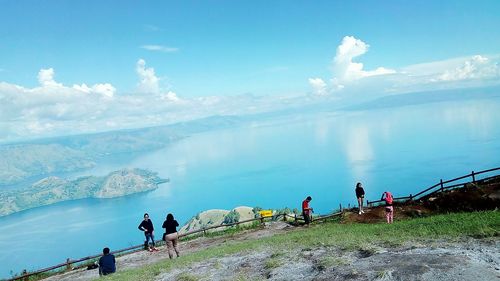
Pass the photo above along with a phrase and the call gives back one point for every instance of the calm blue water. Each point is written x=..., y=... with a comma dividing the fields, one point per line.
x=271, y=164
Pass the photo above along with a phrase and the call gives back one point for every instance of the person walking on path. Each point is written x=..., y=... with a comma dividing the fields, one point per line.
x=389, y=210
x=360, y=194
x=107, y=263
x=307, y=210
x=148, y=228
x=171, y=237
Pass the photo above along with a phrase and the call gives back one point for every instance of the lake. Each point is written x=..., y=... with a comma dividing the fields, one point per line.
x=273, y=163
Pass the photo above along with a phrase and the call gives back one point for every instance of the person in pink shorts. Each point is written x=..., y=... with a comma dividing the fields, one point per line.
x=389, y=210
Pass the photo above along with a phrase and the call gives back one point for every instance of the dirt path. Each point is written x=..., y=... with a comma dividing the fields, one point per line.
x=142, y=258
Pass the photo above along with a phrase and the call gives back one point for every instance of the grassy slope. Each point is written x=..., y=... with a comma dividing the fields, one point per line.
x=348, y=236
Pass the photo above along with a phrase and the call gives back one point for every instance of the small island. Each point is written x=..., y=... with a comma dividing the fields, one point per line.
x=53, y=189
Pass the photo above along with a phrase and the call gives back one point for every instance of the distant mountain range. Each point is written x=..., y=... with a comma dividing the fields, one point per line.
x=53, y=189
x=21, y=161
x=427, y=97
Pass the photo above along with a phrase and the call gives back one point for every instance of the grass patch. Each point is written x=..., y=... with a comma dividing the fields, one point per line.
x=383, y=274
x=327, y=262
x=347, y=236
x=186, y=277
x=272, y=263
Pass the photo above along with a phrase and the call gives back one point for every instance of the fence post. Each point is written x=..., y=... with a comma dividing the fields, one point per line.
x=284, y=217
x=340, y=207
x=261, y=220
x=25, y=272
x=204, y=231
x=68, y=264
x=473, y=177
x=411, y=197
x=441, y=184
x=295, y=217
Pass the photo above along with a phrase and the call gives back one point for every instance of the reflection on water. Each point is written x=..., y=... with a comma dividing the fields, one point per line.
x=271, y=164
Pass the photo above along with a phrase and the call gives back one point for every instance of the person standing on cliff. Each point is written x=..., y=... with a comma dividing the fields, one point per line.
x=389, y=210
x=360, y=194
x=148, y=228
x=307, y=210
x=171, y=237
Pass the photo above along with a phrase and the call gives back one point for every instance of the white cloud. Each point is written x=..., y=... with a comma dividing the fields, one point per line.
x=148, y=82
x=159, y=48
x=345, y=70
x=318, y=85
x=170, y=96
x=357, y=83
x=53, y=109
x=46, y=78
x=106, y=89
x=477, y=67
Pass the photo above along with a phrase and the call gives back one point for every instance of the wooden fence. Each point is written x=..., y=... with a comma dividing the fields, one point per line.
x=442, y=186
x=70, y=264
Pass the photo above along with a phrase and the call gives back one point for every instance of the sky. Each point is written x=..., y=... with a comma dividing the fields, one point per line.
x=85, y=66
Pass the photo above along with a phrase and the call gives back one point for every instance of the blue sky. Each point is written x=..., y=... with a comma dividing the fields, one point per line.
x=194, y=49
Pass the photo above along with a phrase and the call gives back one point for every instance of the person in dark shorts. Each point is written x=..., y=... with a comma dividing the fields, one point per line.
x=360, y=195
x=389, y=209
x=107, y=263
x=307, y=210
x=148, y=228
x=171, y=237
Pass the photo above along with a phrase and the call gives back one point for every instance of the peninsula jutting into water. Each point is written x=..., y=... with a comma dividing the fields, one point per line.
x=51, y=190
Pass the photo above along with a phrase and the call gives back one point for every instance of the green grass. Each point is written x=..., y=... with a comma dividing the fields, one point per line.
x=271, y=263
x=346, y=236
x=186, y=277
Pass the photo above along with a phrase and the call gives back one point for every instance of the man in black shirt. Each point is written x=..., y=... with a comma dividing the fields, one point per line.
x=148, y=228
x=107, y=263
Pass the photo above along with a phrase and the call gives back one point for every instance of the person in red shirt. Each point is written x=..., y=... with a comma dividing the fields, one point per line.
x=389, y=209
x=307, y=210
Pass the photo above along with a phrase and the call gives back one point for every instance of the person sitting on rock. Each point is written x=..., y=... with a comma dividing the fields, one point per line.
x=107, y=263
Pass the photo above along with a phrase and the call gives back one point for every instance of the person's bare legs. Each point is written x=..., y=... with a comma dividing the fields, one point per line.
x=174, y=242
x=170, y=246
x=389, y=214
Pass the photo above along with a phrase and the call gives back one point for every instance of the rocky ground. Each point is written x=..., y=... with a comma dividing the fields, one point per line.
x=469, y=259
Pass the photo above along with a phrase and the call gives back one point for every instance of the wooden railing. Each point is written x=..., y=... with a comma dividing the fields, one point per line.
x=69, y=264
x=442, y=186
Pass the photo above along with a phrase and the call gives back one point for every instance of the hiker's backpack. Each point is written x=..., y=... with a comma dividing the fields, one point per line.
x=388, y=198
